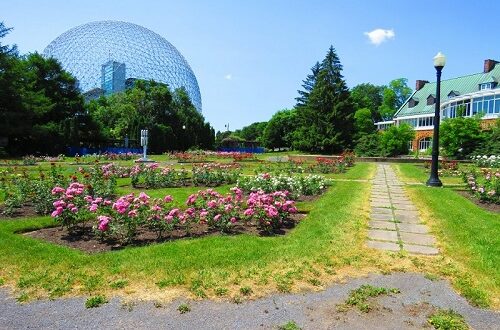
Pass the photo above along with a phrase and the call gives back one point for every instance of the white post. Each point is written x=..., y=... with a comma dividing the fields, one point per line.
x=144, y=143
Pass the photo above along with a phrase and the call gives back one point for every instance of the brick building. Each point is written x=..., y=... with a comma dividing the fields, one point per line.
x=469, y=95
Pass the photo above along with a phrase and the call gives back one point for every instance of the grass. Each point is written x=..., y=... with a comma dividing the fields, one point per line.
x=95, y=301
x=469, y=238
x=291, y=325
x=359, y=297
x=447, y=320
x=416, y=173
x=326, y=246
x=329, y=237
x=184, y=308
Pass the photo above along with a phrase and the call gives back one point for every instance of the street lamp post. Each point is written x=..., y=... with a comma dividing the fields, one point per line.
x=439, y=62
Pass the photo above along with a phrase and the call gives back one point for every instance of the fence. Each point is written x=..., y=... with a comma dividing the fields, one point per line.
x=72, y=151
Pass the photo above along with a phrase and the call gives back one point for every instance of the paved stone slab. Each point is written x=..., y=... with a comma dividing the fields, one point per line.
x=394, y=217
x=381, y=210
x=420, y=249
x=413, y=228
x=382, y=225
x=388, y=246
x=380, y=204
x=382, y=216
x=406, y=213
x=406, y=207
x=383, y=235
x=417, y=239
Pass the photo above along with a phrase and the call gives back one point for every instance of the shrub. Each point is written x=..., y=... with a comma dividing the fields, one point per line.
x=460, y=136
x=394, y=140
x=295, y=185
x=215, y=174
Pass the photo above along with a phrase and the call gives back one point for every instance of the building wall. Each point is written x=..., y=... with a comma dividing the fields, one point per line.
x=419, y=135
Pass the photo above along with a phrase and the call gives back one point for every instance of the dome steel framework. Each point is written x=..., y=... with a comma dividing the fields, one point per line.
x=83, y=50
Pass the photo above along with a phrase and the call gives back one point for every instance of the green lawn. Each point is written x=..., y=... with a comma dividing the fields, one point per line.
x=469, y=236
x=326, y=246
x=330, y=237
x=416, y=173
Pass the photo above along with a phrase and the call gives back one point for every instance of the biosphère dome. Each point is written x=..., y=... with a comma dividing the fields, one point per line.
x=120, y=50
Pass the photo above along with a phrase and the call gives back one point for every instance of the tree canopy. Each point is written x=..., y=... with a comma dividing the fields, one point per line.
x=326, y=118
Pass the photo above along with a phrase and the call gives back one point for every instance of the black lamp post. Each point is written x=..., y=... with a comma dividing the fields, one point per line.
x=439, y=62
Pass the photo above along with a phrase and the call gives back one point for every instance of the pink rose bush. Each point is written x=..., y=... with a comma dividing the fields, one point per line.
x=154, y=176
x=70, y=205
x=269, y=211
x=484, y=185
x=122, y=218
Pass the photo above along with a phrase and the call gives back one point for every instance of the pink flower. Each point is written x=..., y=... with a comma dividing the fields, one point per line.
x=217, y=217
x=271, y=211
x=57, y=212
x=173, y=212
x=212, y=204
x=169, y=218
x=156, y=208
x=203, y=214
x=74, y=209
x=57, y=190
x=103, y=222
x=191, y=199
x=143, y=197
x=132, y=213
x=233, y=220
x=93, y=207
x=248, y=212
x=168, y=199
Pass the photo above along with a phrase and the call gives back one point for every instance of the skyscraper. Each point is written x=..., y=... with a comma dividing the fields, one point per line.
x=112, y=77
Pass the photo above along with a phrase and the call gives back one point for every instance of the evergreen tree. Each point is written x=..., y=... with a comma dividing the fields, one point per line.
x=326, y=119
x=308, y=85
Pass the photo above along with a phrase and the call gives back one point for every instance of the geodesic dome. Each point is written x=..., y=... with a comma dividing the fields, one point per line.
x=84, y=49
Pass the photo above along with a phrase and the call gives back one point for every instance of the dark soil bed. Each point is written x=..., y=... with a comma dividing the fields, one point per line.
x=28, y=210
x=495, y=208
x=86, y=241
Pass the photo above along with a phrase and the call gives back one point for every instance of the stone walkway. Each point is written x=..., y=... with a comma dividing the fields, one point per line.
x=394, y=220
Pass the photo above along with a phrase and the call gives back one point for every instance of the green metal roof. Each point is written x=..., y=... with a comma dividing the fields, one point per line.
x=462, y=85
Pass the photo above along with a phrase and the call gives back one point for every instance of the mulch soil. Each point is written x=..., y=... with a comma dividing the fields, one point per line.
x=495, y=208
x=28, y=210
x=85, y=239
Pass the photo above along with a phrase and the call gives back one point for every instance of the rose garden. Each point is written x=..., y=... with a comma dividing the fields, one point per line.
x=351, y=184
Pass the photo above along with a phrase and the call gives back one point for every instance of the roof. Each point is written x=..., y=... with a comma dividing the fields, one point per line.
x=462, y=85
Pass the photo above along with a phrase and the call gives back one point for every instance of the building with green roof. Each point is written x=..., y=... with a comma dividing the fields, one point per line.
x=469, y=95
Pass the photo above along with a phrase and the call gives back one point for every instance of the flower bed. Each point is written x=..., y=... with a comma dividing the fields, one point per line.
x=121, y=220
x=22, y=190
x=154, y=176
x=492, y=161
x=484, y=184
x=215, y=174
x=296, y=185
x=206, y=174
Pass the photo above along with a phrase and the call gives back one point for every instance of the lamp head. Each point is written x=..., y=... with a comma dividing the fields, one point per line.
x=439, y=60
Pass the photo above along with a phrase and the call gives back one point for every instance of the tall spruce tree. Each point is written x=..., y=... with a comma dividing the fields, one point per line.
x=308, y=85
x=326, y=119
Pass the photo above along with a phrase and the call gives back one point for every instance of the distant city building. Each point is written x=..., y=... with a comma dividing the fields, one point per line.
x=94, y=53
x=466, y=96
x=113, y=77
x=93, y=94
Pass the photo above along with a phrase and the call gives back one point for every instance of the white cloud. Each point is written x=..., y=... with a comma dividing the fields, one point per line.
x=378, y=36
x=228, y=76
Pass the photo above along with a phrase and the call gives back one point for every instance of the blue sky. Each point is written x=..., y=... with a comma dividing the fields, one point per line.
x=250, y=57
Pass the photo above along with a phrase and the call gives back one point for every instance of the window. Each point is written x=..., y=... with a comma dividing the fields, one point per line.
x=424, y=143
x=485, y=86
x=431, y=100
